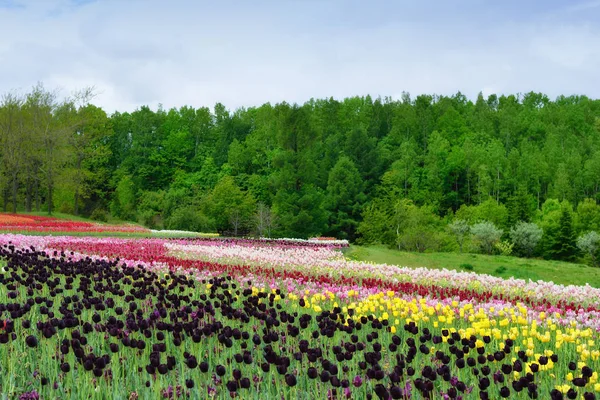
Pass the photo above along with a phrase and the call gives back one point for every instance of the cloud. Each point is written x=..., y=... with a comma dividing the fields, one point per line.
x=243, y=54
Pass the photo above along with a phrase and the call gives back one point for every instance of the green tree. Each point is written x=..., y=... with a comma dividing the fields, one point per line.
x=486, y=236
x=491, y=210
x=525, y=237
x=461, y=230
x=589, y=244
x=344, y=198
x=520, y=207
x=587, y=217
x=561, y=240
x=123, y=204
x=229, y=206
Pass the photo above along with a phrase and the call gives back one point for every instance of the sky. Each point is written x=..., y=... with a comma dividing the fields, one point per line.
x=245, y=53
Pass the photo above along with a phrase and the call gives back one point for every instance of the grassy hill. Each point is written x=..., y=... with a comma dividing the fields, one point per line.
x=501, y=266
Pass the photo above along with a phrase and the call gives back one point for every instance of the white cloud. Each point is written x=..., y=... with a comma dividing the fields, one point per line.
x=198, y=53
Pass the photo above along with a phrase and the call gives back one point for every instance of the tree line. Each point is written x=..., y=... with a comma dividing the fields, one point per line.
x=326, y=167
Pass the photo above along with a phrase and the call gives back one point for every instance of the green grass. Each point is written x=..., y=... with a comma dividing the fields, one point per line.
x=501, y=266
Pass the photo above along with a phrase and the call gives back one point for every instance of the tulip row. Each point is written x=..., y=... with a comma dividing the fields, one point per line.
x=332, y=263
x=33, y=223
x=281, y=267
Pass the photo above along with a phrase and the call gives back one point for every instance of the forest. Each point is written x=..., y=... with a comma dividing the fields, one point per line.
x=429, y=173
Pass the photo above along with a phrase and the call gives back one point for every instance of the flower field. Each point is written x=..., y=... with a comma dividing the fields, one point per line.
x=223, y=318
x=34, y=223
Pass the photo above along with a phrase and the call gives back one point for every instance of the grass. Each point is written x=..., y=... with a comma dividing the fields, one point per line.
x=501, y=266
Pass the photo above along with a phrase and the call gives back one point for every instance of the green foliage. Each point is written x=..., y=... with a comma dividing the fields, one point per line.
x=589, y=244
x=398, y=222
x=485, y=236
x=560, y=239
x=520, y=207
x=461, y=230
x=336, y=167
x=525, y=236
x=504, y=247
x=489, y=210
x=188, y=218
x=344, y=198
x=468, y=267
x=123, y=204
x=588, y=216
x=229, y=207
x=500, y=270
x=99, y=214
x=150, y=209
x=300, y=213
x=377, y=224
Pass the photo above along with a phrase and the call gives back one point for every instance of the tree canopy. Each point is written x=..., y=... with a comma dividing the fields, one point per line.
x=325, y=167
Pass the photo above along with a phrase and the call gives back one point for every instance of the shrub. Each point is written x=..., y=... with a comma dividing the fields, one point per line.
x=590, y=244
x=99, y=214
x=500, y=270
x=468, y=267
x=460, y=229
x=486, y=235
x=189, y=219
x=526, y=236
x=504, y=247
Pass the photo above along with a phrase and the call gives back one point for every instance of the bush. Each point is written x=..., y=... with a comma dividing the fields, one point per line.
x=460, y=229
x=99, y=214
x=419, y=239
x=590, y=244
x=468, y=267
x=500, y=270
x=504, y=247
x=526, y=236
x=486, y=235
x=189, y=219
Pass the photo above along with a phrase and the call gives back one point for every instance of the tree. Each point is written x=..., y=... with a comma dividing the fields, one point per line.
x=587, y=217
x=264, y=220
x=344, y=198
x=419, y=229
x=12, y=142
x=520, y=207
x=123, y=204
x=377, y=222
x=460, y=229
x=88, y=168
x=229, y=206
x=589, y=244
x=51, y=121
x=526, y=236
x=486, y=235
x=561, y=241
x=401, y=172
x=493, y=211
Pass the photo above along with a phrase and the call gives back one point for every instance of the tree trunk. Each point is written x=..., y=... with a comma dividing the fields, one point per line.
x=49, y=199
x=15, y=188
x=28, y=195
x=38, y=198
x=5, y=200
x=76, y=205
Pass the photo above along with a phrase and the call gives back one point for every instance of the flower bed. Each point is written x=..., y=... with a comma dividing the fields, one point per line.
x=34, y=223
x=124, y=318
